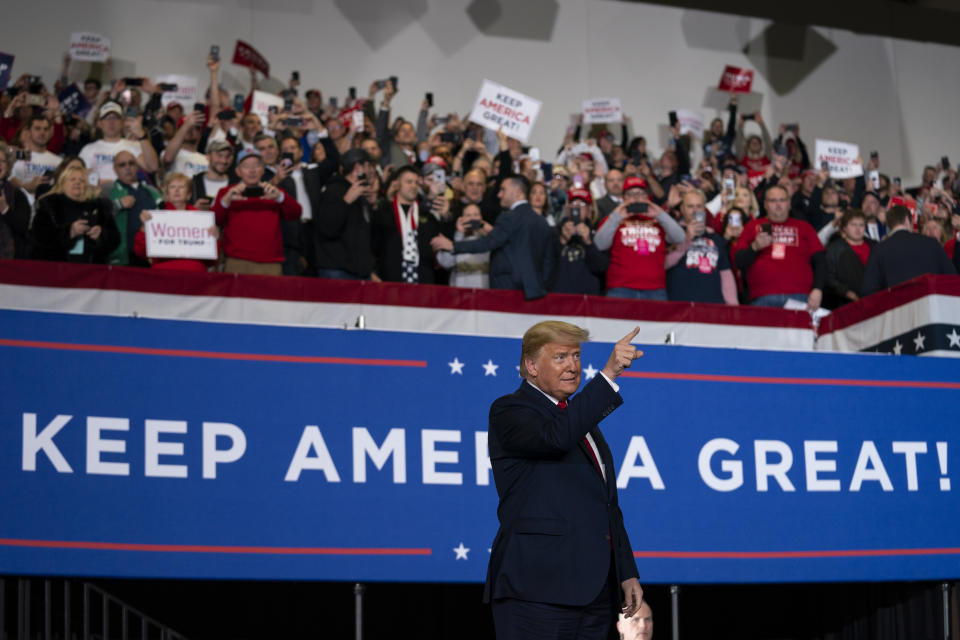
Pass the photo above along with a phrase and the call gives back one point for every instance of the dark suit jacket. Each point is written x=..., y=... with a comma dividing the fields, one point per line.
x=556, y=513
x=520, y=246
x=901, y=256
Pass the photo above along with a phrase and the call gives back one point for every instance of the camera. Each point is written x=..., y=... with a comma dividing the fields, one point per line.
x=35, y=85
x=253, y=192
x=133, y=82
x=286, y=159
x=637, y=207
x=473, y=225
x=293, y=122
x=429, y=99
x=199, y=107
x=22, y=154
x=215, y=52
x=701, y=217
x=131, y=112
x=766, y=227
x=167, y=87
x=295, y=76
x=227, y=114
x=362, y=178
x=352, y=93
x=287, y=102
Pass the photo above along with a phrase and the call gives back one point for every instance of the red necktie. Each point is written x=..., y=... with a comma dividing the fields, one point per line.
x=563, y=405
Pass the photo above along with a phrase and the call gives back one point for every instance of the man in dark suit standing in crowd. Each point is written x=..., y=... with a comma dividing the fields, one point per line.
x=561, y=556
x=521, y=243
x=903, y=254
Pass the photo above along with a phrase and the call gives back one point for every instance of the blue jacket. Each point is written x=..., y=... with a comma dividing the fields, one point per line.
x=521, y=255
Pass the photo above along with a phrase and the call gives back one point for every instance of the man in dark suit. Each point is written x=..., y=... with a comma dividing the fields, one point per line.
x=561, y=555
x=303, y=181
x=521, y=243
x=903, y=255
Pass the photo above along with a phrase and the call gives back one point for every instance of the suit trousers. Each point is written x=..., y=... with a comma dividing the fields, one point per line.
x=523, y=620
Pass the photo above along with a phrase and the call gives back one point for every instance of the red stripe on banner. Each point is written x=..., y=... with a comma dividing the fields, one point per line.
x=205, y=548
x=212, y=355
x=822, y=382
x=36, y=273
x=881, y=302
x=767, y=555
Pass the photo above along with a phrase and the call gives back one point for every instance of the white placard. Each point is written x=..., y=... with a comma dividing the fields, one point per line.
x=602, y=110
x=690, y=122
x=180, y=234
x=262, y=101
x=186, y=94
x=497, y=106
x=843, y=158
x=89, y=47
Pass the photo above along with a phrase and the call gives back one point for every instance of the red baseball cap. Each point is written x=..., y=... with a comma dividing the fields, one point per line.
x=634, y=182
x=579, y=194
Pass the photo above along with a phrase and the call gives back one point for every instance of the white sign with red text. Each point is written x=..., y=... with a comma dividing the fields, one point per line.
x=186, y=93
x=497, y=106
x=181, y=234
x=690, y=122
x=602, y=110
x=89, y=47
x=843, y=158
x=262, y=101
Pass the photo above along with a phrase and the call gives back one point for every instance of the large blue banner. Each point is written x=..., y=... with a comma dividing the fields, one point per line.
x=136, y=447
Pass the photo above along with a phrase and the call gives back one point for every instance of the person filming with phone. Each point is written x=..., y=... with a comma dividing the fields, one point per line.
x=249, y=212
x=342, y=226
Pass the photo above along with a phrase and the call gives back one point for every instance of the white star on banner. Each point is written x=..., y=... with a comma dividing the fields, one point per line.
x=456, y=366
x=461, y=552
x=954, y=338
x=490, y=369
x=897, y=348
x=590, y=371
x=918, y=341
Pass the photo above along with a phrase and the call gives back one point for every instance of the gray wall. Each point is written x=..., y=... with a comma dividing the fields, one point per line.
x=893, y=95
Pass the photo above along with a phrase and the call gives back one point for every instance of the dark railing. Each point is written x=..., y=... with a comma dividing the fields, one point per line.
x=95, y=615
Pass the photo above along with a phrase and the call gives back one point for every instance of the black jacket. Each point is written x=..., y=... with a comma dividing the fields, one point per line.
x=342, y=231
x=844, y=272
x=388, y=245
x=51, y=229
x=901, y=256
x=15, y=223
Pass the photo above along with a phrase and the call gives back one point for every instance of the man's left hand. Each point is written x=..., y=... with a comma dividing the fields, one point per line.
x=441, y=243
x=814, y=299
x=632, y=596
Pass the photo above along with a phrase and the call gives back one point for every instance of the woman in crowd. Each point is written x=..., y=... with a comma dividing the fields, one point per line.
x=14, y=211
x=74, y=224
x=847, y=256
x=176, y=197
x=540, y=202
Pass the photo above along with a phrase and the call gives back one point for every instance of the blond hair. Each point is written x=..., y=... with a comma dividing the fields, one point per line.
x=546, y=332
x=89, y=193
x=176, y=176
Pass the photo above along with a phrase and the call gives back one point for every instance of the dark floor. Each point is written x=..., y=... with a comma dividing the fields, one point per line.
x=245, y=610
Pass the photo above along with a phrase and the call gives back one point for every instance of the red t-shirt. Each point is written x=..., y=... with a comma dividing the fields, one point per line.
x=862, y=250
x=755, y=164
x=637, y=255
x=784, y=266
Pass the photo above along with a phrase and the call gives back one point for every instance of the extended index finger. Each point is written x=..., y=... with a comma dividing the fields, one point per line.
x=630, y=336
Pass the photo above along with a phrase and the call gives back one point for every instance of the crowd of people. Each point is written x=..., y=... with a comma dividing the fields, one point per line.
x=355, y=191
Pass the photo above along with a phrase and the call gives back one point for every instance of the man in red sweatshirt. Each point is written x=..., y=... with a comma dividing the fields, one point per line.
x=249, y=213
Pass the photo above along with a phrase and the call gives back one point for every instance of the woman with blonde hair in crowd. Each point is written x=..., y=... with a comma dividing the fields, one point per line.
x=73, y=223
x=176, y=197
